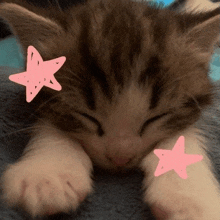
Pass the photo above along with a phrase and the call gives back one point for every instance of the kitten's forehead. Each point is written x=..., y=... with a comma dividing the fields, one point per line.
x=127, y=111
x=132, y=100
x=119, y=45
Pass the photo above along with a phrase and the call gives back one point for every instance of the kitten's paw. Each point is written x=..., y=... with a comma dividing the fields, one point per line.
x=45, y=187
x=163, y=211
x=172, y=205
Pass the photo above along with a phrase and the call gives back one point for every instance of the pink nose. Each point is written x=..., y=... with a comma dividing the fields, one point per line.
x=119, y=161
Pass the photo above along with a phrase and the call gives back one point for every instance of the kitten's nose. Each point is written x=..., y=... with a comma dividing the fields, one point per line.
x=120, y=161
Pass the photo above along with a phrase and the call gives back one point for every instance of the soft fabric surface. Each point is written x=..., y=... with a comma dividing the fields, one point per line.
x=117, y=197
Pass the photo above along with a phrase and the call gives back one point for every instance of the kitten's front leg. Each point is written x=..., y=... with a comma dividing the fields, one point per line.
x=173, y=198
x=53, y=175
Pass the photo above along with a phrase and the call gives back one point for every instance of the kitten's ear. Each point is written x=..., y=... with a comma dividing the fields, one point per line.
x=29, y=27
x=206, y=34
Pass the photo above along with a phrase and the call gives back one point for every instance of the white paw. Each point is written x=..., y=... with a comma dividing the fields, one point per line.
x=169, y=203
x=46, y=187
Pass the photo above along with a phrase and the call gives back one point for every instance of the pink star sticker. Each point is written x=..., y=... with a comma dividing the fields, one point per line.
x=39, y=73
x=175, y=159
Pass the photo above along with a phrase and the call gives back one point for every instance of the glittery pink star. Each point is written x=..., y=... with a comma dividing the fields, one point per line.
x=175, y=159
x=39, y=73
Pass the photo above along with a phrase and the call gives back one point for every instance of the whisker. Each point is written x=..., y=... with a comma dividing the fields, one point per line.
x=210, y=126
x=192, y=97
x=72, y=74
x=173, y=81
x=58, y=5
x=17, y=131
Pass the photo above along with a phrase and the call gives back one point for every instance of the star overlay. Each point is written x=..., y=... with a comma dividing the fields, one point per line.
x=39, y=73
x=175, y=159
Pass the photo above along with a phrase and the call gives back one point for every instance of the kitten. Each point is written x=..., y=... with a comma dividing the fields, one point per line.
x=135, y=79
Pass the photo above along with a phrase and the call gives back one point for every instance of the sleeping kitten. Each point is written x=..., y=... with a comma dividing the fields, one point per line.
x=135, y=79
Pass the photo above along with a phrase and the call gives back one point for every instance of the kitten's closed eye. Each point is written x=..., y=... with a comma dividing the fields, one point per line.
x=150, y=121
x=84, y=125
x=100, y=130
x=69, y=123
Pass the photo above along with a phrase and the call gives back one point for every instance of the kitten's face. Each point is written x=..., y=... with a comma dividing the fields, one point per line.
x=124, y=129
x=134, y=75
